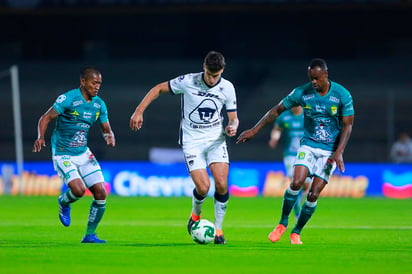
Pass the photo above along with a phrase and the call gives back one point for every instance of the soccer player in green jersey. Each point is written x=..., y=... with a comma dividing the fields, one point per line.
x=328, y=119
x=288, y=128
x=75, y=112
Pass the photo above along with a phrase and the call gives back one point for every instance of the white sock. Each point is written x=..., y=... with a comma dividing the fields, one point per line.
x=220, y=211
x=197, y=205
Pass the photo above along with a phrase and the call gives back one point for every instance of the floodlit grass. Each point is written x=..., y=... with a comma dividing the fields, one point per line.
x=148, y=235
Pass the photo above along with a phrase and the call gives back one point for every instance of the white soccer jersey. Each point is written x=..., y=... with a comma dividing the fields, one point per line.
x=202, y=118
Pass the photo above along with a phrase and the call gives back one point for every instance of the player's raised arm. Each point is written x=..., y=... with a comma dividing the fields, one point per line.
x=136, y=120
x=269, y=117
x=42, y=125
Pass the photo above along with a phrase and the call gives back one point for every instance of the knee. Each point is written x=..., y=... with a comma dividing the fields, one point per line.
x=202, y=190
x=221, y=188
x=99, y=192
x=313, y=196
x=78, y=191
x=297, y=182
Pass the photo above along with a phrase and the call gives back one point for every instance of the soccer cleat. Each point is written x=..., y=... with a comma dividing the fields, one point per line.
x=92, y=239
x=275, y=235
x=192, y=219
x=64, y=213
x=220, y=240
x=295, y=239
x=190, y=224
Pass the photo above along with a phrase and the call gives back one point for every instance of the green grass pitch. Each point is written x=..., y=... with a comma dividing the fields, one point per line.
x=148, y=235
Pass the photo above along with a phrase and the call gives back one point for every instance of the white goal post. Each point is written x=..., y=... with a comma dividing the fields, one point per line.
x=13, y=72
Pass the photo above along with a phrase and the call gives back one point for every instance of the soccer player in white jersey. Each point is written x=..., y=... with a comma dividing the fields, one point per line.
x=75, y=112
x=204, y=95
x=328, y=119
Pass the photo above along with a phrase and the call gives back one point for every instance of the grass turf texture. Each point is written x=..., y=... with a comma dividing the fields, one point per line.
x=148, y=235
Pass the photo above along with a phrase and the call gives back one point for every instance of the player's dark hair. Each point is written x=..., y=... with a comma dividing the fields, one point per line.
x=88, y=72
x=318, y=62
x=214, y=61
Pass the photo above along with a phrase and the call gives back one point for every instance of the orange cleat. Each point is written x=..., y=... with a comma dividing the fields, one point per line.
x=295, y=239
x=275, y=235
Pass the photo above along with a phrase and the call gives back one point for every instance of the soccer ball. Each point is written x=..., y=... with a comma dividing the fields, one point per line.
x=203, y=232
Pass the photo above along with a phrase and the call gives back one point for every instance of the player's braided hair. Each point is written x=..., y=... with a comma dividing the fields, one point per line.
x=214, y=61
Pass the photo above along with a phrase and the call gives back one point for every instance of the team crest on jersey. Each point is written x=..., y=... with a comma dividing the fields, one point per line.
x=66, y=163
x=334, y=110
x=79, y=139
x=205, y=113
x=301, y=155
x=322, y=133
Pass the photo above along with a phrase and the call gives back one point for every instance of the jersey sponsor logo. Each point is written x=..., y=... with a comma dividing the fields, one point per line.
x=87, y=115
x=76, y=103
x=190, y=156
x=207, y=94
x=61, y=98
x=308, y=97
x=320, y=108
x=74, y=113
x=83, y=125
x=224, y=152
x=97, y=105
x=334, y=99
x=205, y=113
x=204, y=126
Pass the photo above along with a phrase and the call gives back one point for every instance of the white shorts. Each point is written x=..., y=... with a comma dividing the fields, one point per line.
x=318, y=161
x=84, y=166
x=199, y=156
x=289, y=161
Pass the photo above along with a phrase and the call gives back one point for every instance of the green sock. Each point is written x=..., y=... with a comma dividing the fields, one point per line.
x=305, y=214
x=296, y=207
x=97, y=209
x=289, y=200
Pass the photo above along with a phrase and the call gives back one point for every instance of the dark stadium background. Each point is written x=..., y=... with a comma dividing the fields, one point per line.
x=267, y=44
